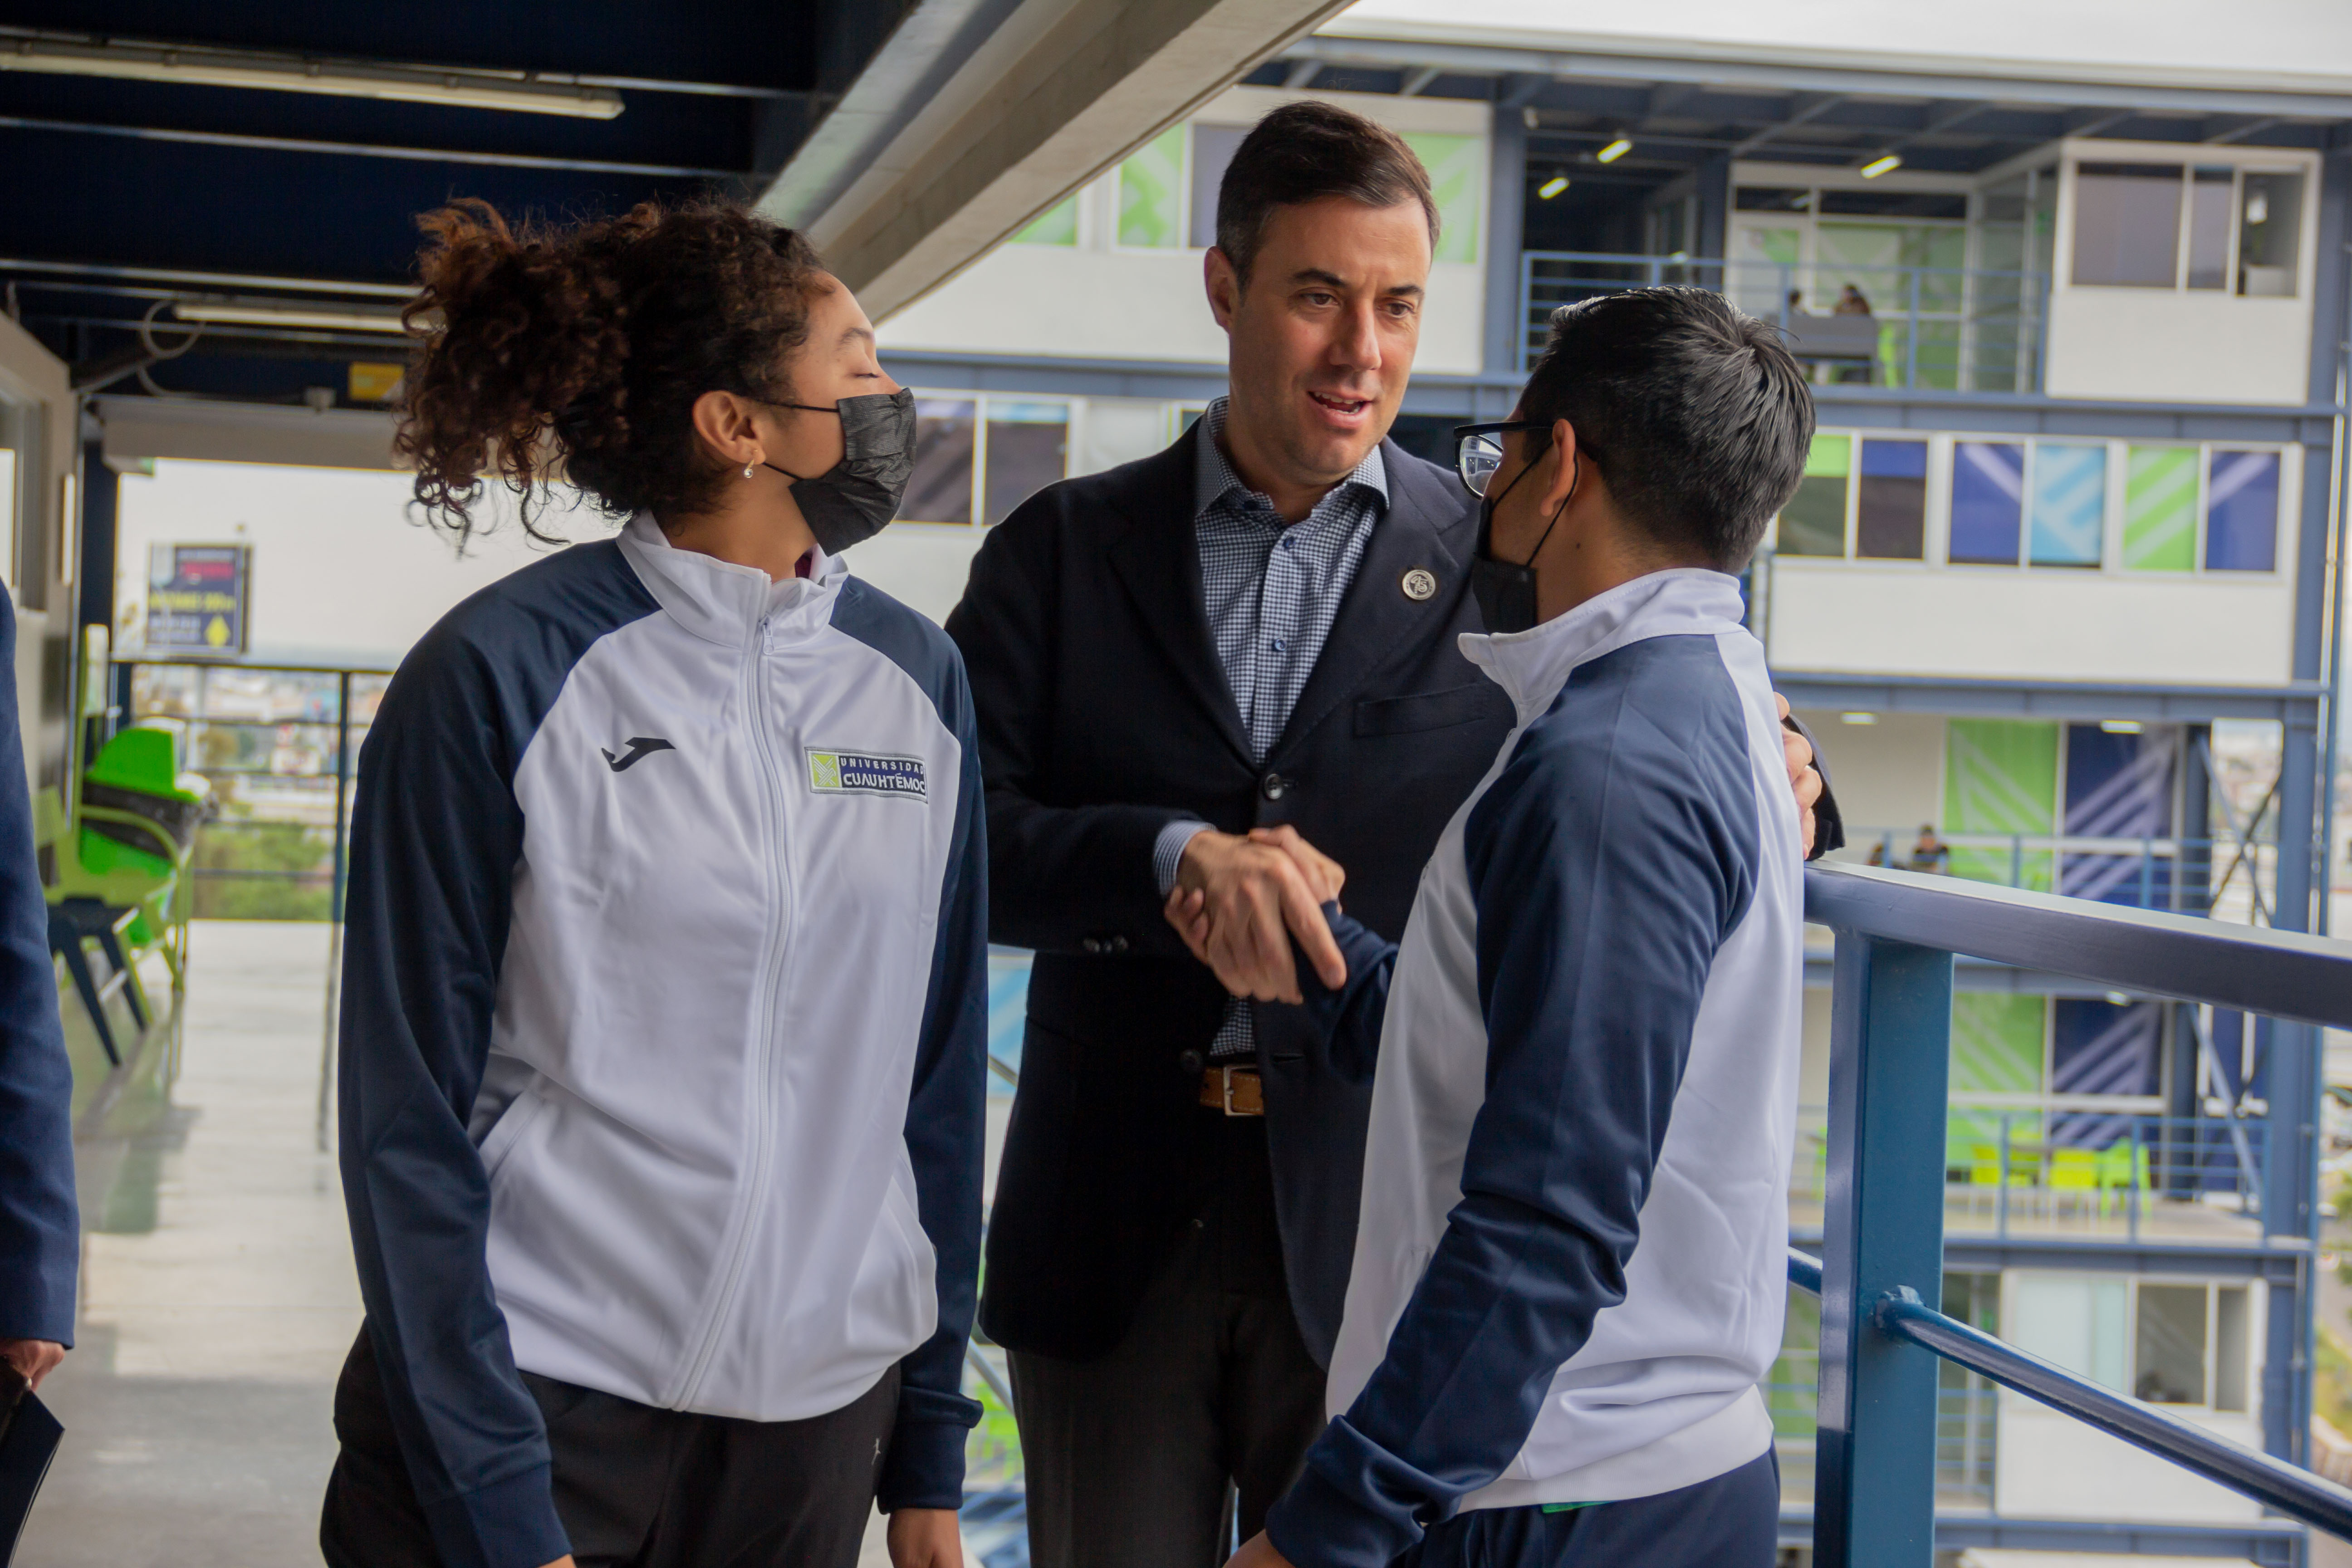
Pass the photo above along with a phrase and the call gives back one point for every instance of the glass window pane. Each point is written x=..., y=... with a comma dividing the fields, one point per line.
x=2161, y=509
x=2230, y=1346
x=1457, y=178
x=2075, y=1322
x=1028, y=448
x=2209, y=190
x=1151, y=191
x=1987, y=501
x=2241, y=512
x=1891, y=517
x=1212, y=151
x=940, y=490
x=2070, y=504
x=2127, y=224
x=2001, y=777
x=1814, y=522
x=2168, y=1357
x=1057, y=224
x=2270, y=233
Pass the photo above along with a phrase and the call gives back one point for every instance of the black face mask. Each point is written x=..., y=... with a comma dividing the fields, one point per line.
x=856, y=496
x=1506, y=591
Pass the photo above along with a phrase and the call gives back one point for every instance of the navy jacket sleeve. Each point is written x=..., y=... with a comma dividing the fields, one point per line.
x=40, y=1241
x=946, y=1129
x=1351, y=1017
x=435, y=836
x=1604, y=879
x=1059, y=873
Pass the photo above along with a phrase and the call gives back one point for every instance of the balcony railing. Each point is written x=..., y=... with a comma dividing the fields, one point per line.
x=1936, y=328
x=1888, y=1181
x=2231, y=878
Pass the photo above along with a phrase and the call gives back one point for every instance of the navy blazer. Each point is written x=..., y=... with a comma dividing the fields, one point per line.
x=1104, y=715
x=41, y=1236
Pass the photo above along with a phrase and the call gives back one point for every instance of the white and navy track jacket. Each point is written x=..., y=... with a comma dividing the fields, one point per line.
x=1570, y=1264
x=664, y=1019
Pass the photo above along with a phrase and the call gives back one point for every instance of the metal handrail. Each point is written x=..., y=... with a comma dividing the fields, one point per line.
x=2296, y=1492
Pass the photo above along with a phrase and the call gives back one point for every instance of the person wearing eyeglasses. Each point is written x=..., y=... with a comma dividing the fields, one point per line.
x=1231, y=669
x=1570, y=1263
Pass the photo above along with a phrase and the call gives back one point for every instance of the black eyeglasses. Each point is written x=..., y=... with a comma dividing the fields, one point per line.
x=1479, y=449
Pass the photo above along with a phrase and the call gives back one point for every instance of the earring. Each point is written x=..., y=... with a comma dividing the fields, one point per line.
x=746, y=471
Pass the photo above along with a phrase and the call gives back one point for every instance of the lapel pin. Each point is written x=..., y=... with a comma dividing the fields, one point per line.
x=1419, y=583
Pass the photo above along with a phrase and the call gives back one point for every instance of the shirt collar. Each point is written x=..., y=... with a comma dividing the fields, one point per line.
x=1214, y=477
x=1533, y=665
x=724, y=603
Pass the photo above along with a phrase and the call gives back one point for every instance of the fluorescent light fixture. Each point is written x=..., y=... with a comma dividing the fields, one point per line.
x=274, y=313
x=1614, y=151
x=2120, y=726
x=1858, y=717
x=1552, y=186
x=1881, y=165
x=24, y=51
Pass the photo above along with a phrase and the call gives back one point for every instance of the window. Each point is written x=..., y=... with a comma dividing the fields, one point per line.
x=1891, y=521
x=2241, y=512
x=2270, y=233
x=2184, y=1343
x=1814, y=522
x=940, y=490
x=1151, y=192
x=1212, y=151
x=1057, y=224
x=2127, y=224
x=2161, y=509
x=1457, y=181
x=979, y=457
x=2070, y=504
x=1028, y=448
x=1987, y=501
x=2209, y=190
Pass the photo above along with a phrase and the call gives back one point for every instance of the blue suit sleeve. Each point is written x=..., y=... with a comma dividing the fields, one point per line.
x=40, y=1239
x=435, y=837
x=945, y=1126
x=1351, y=1017
x=1603, y=884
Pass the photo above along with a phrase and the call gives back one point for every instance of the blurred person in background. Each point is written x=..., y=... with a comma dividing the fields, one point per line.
x=665, y=997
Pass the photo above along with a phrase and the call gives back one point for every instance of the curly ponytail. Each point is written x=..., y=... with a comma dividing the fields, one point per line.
x=578, y=351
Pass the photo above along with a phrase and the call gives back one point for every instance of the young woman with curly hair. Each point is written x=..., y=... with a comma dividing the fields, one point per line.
x=665, y=987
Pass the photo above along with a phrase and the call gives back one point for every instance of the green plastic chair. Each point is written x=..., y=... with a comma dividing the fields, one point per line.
x=129, y=838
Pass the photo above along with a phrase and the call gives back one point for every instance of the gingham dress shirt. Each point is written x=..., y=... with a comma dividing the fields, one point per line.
x=1273, y=590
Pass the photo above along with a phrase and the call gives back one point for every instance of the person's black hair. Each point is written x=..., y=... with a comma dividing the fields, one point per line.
x=1311, y=152
x=1695, y=412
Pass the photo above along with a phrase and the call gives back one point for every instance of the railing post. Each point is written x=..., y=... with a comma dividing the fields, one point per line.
x=1890, y=1055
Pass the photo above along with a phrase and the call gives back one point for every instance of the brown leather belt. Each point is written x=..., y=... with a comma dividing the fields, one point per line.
x=1236, y=1092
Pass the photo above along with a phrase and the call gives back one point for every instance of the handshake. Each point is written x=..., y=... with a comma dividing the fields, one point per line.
x=1239, y=901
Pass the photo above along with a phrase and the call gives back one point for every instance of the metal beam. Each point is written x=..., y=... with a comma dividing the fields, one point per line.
x=366, y=150
x=1416, y=82
x=1803, y=108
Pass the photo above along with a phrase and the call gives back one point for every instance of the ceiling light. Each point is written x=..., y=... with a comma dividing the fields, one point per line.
x=272, y=313
x=1552, y=186
x=2120, y=726
x=1614, y=151
x=21, y=51
x=1858, y=717
x=1878, y=166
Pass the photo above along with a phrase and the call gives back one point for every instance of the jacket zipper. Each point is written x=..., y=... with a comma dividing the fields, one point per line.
x=763, y=1135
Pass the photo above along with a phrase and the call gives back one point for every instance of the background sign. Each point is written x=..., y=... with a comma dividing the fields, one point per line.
x=196, y=597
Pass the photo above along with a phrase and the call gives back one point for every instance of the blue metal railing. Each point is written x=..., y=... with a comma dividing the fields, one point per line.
x=2188, y=875
x=1882, y=1228
x=1949, y=328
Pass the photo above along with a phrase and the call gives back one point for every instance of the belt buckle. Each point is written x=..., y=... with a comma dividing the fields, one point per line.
x=1225, y=1077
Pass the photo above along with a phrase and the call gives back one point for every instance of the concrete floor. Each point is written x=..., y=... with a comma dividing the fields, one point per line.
x=218, y=1298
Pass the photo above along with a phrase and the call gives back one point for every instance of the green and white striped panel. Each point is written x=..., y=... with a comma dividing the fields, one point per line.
x=2161, y=509
x=1151, y=192
x=2000, y=775
x=1457, y=178
x=1997, y=1048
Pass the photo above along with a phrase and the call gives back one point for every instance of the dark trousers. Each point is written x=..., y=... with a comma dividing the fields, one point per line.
x=1129, y=1457
x=636, y=1487
x=1731, y=1522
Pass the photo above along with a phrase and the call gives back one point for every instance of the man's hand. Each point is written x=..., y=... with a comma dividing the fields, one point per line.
x=925, y=1538
x=1239, y=901
x=1257, y=1551
x=1804, y=777
x=35, y=1359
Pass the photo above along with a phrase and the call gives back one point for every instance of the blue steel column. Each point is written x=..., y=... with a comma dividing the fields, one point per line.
x=1507, y=223
x=1890, y=1057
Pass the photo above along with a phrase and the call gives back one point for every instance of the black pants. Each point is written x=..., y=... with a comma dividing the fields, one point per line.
x=636, y=1487
x=1731, y=1522
x=1129, y=1456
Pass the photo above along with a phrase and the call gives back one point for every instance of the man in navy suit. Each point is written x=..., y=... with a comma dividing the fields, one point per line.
x=1254, y=629
x=40, y=1238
